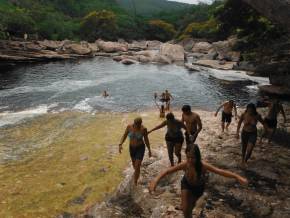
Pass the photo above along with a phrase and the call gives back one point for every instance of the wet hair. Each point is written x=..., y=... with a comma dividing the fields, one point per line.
x=186, y=108
x=253, y=107
x=231, y=101
x=138, y=121
x=193, y=150
x=170, y=116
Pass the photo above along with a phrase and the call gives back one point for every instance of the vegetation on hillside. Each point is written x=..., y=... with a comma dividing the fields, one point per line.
x=114, y=19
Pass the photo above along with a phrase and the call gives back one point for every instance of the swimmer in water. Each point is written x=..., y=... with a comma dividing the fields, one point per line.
x=105, y=94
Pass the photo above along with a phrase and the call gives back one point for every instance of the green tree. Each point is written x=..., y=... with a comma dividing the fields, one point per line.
x=160, y=30
x=101, y=24
x=18, y=22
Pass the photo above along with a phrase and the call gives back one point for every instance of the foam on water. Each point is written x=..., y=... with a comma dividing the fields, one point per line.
x=7, y=118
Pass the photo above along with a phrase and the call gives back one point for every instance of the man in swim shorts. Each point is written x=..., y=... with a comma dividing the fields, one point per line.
x=227, y=113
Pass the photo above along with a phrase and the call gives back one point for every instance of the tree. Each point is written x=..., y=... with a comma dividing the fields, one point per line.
x=101, y=24
x=160, y=30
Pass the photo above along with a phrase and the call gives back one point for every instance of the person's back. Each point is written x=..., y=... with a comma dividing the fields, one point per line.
x=174, y=126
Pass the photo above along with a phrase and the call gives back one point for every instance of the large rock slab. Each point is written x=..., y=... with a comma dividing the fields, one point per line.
x=77, y=49
x=202, y=47
x=216, y=64
x=111, y=46
x=225, y=50
x=174, y=52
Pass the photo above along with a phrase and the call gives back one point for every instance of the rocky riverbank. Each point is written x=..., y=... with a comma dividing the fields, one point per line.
x=266, y=196
x=189, y=52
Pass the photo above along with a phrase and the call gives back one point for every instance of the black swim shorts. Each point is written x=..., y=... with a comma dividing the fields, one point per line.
x=196, y=190
x=137, y=152
x=226, y=118
x=249, y=137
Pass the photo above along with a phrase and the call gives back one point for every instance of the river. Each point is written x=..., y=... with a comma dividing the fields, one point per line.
x=35, y=89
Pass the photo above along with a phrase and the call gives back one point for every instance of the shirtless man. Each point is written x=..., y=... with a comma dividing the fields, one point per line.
x=192, y=122
x=275, y=107
x=168, y=98
x=227, y=113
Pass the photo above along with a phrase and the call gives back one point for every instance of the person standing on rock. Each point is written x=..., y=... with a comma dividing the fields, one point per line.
x=227, y=113
x=138, y=137
x=250, y=118
x=168, y=98
x=193, y=181
x=271, y=120
x=192, y=122
x=174, y=137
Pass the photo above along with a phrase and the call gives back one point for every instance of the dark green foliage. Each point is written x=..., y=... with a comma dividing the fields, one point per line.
x=160, y=30
x=149, y=7
x=236, y=17
x=101, y=24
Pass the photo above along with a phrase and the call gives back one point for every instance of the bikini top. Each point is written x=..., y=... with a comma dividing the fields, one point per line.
x=135, y=135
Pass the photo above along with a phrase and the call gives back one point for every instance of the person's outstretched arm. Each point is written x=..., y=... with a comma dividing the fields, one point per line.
x=157, y=127
x=154, y=182
x=147, y=143
x=220, y=107
x=239, y=125
x=123, y=139
x=225, y=173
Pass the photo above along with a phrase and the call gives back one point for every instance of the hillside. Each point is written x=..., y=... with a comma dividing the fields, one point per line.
x=149, y=7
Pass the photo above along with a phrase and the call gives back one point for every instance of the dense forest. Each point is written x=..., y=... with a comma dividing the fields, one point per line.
x=134, y=19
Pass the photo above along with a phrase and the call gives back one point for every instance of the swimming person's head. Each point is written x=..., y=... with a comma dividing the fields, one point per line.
x=251, y=108
x=186, y=109
x=194, y=157
x=170, y=117
x=138, y=122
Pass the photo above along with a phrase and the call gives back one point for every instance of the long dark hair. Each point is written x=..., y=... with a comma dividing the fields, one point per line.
x=253, y=107
x=193, y=149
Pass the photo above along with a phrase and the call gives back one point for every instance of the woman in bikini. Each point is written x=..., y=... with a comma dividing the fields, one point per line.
x=174, y=137
x=193, y=181
x=250, y=118
x=138, y=137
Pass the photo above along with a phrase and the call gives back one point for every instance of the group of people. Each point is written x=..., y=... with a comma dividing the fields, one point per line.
x=193, y=181
x=250, y=119
x=165, y=99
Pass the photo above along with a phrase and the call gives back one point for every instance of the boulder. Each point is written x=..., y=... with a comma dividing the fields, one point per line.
x=225, y=51
x=111, y=46
x=216, y=64
x=202, y=47
x=50, y=44
x=187, y=44
x=149, y=53
x=117, y=58
x=128, y=61
x=93, y=46
x=77, y=49
x=174, y=52
x=161, y=59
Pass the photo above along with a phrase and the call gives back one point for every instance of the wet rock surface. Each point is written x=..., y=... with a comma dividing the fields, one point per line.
x=266, y=196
